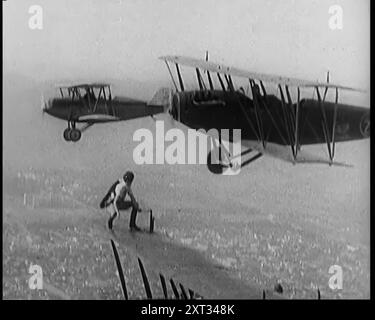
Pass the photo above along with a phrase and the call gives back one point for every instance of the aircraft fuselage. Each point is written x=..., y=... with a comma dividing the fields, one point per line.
x=218, y=109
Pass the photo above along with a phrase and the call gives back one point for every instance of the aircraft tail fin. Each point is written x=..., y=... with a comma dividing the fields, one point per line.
x=162, y=97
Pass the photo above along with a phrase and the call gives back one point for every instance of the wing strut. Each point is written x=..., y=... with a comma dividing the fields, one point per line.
x=324, y=123
x=180, y=78
x=247, y=116
x=265, y=105
x=97, y=100
x=105, y=100
x=221, y=82
x=208, y=75
x=330, y=144
x=255, y=94
x=210, y=80
x=296, y=127
x=334, y=122
x=290, y=106
x=170, y=73
x=286, y=122
x=229, y=82
x=201, y=83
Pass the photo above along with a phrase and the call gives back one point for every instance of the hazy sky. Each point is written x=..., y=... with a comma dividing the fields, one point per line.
x=118, y=39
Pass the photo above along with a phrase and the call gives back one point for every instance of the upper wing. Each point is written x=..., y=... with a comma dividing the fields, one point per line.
x=220, y=68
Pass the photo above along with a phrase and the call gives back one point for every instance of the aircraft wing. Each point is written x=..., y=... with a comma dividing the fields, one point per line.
x=82, y=85
x=223, y=69
x=97, y=118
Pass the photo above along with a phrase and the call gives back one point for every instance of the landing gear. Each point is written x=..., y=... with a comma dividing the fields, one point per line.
x=75, y=135
x=71, y=133
x=67, y=134
x=219, y=159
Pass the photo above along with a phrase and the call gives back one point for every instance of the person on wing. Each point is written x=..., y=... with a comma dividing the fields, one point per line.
x=115, y=198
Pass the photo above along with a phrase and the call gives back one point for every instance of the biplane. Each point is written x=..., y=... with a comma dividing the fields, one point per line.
x=93, y=103
x=264, y=117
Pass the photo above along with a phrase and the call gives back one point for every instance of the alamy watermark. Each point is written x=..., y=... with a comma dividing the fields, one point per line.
x=36, y=18
x=36, y=278
x=335, y=21
x=190, y=149
x=335, y=282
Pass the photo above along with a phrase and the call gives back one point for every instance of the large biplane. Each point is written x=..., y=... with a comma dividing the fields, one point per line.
x=261, y=116
x=93, y=103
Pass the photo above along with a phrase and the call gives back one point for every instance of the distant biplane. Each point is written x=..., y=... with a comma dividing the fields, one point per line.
x=93, y=103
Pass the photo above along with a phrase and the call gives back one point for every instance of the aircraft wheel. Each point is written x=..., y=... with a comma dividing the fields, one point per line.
x=75, y=135
x=67, y=134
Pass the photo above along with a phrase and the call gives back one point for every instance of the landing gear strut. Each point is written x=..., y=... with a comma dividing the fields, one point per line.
x=71, y=133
